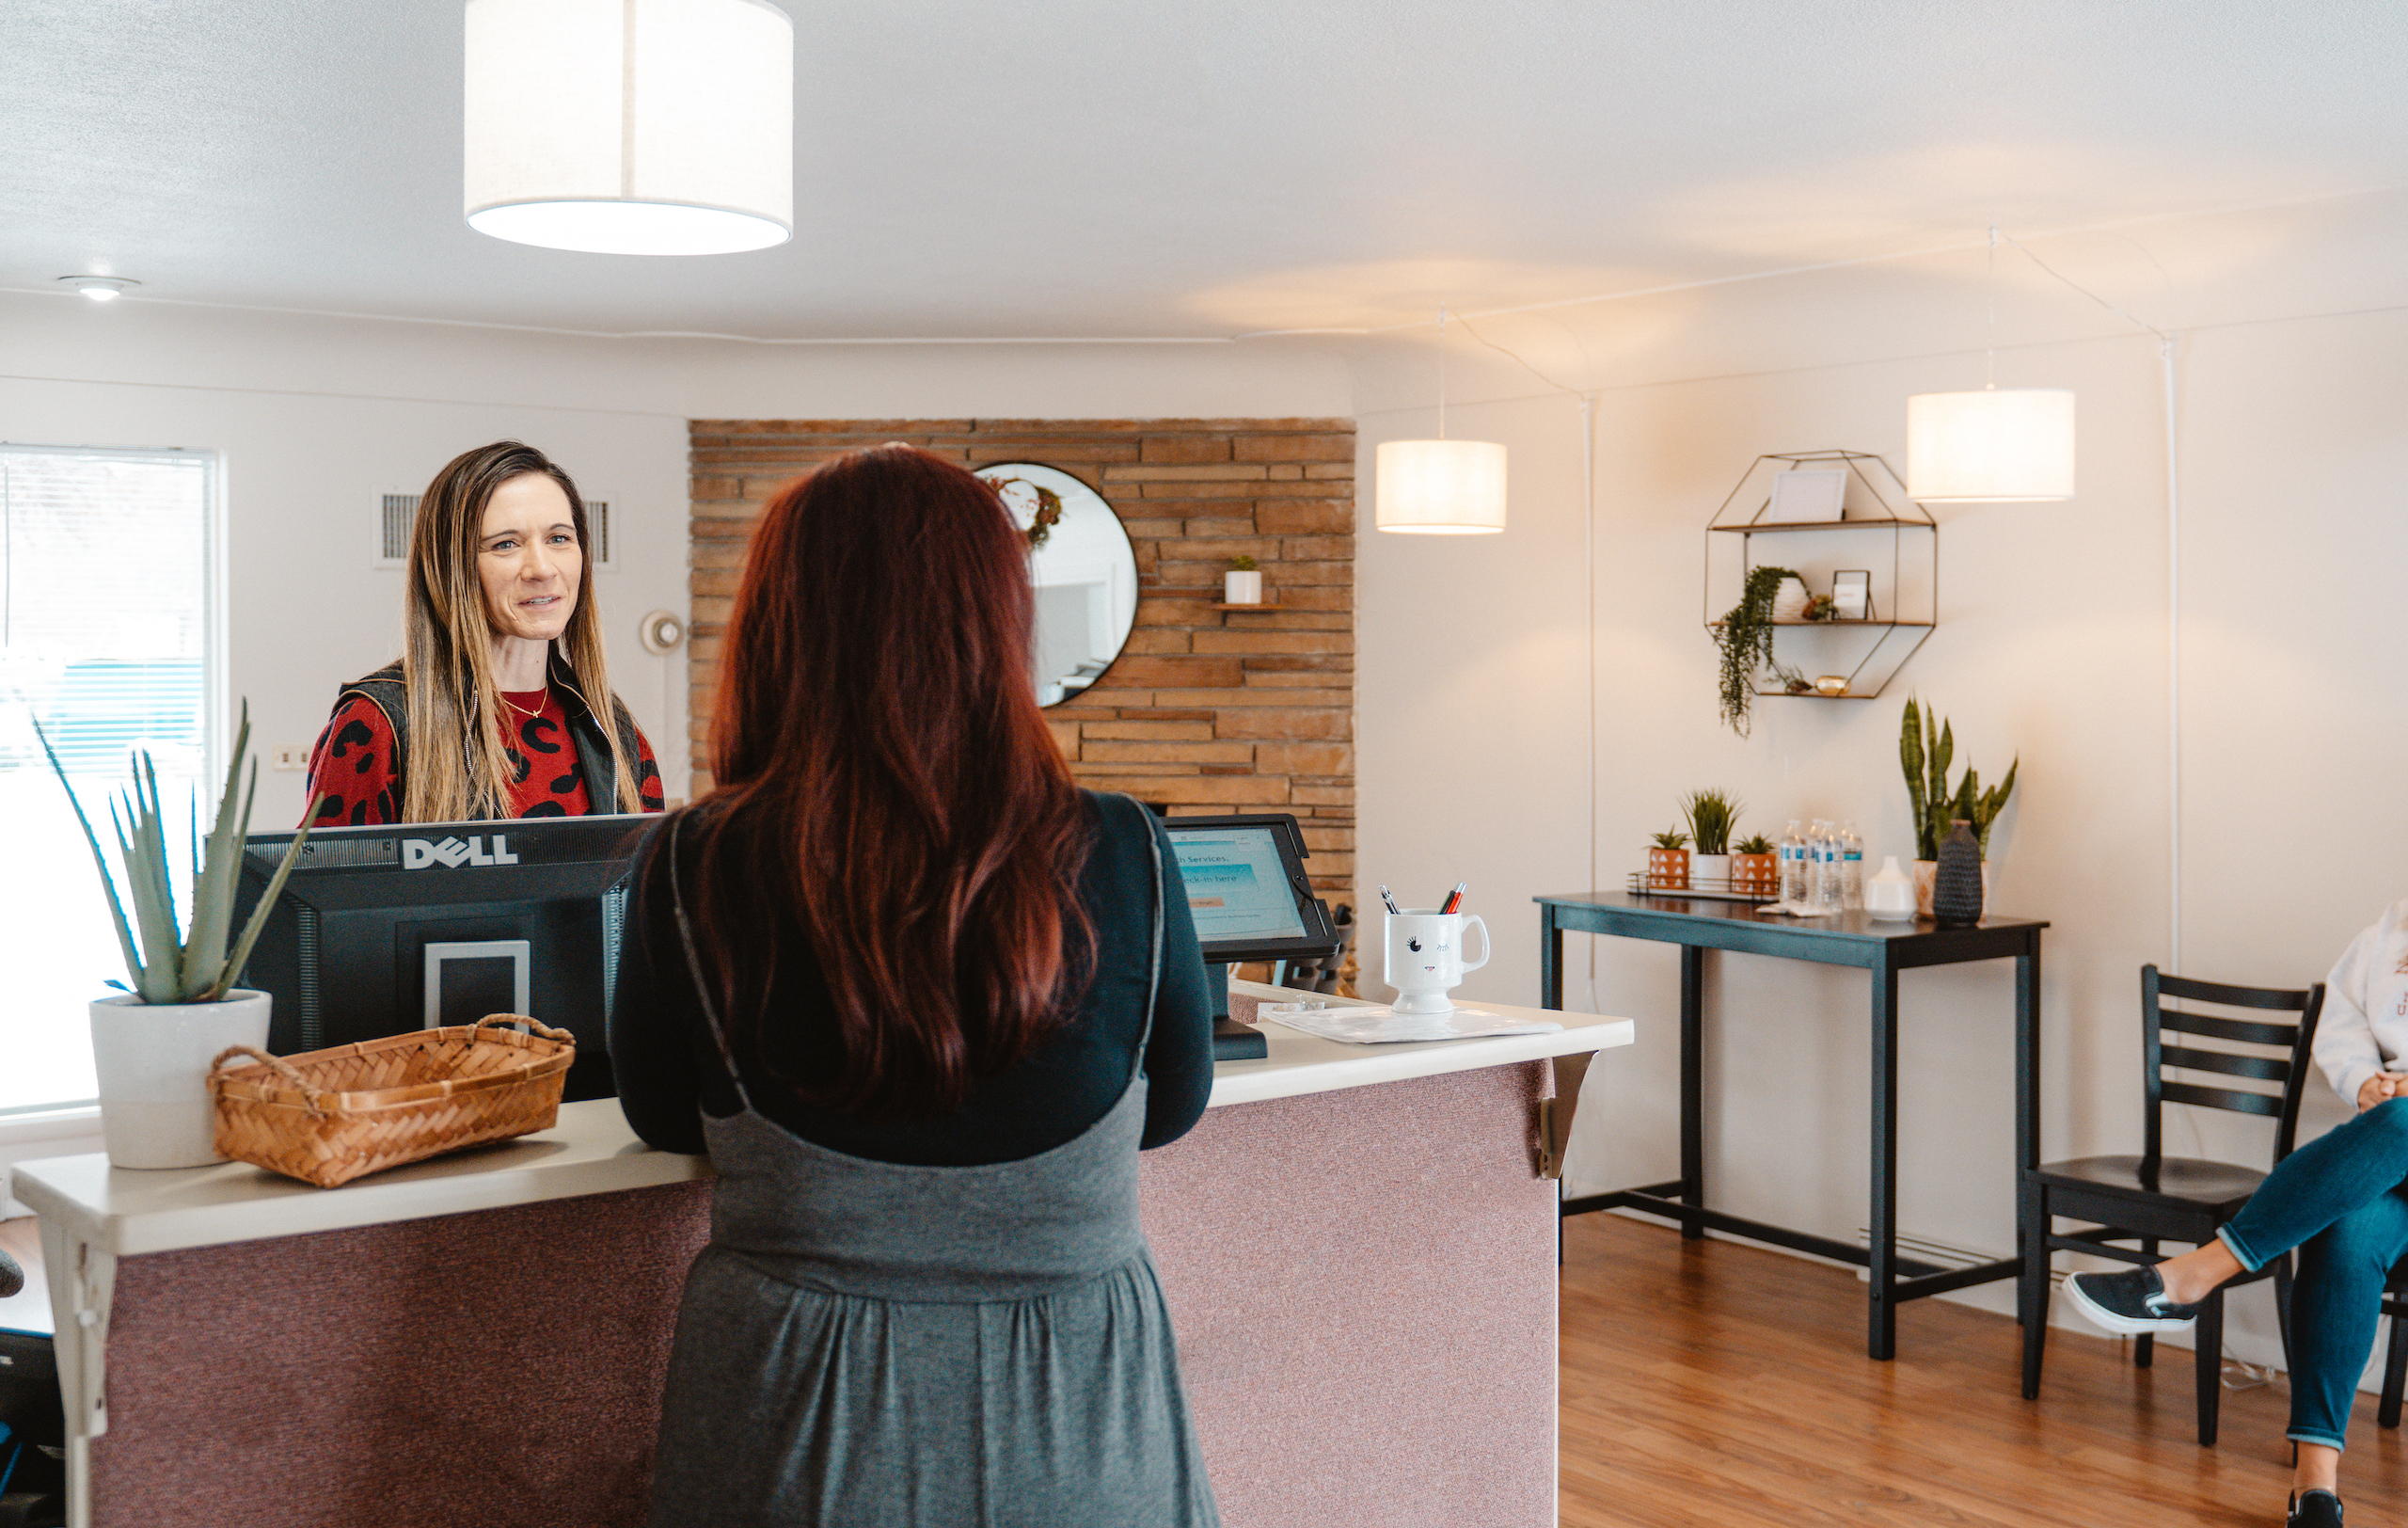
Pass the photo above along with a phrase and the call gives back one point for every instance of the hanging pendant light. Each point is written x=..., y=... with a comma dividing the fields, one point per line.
x=2000, y=445
x=1439, y=488
x=1995, y=446
x=630, y=127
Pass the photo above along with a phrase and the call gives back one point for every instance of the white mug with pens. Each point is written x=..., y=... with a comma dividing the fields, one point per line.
x=1425, y=951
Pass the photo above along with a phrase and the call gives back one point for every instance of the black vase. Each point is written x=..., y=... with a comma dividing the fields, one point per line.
x=1956, y=886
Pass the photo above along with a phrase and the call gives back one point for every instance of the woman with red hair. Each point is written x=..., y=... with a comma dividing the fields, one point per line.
x=923, y=1000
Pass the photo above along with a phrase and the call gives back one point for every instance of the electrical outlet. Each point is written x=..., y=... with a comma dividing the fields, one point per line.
x=289, y=755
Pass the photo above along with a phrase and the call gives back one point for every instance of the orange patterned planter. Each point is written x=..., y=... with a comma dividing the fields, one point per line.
x=1759, y=873
x=1668, y=869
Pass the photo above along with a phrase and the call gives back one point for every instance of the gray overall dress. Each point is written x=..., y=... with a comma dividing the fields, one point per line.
x=888, y=1346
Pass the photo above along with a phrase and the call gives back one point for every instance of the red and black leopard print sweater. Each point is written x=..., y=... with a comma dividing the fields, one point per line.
x=353, y=764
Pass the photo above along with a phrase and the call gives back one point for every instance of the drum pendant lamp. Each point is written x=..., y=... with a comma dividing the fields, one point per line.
x=1996, y=446
x=1439, y=488
x=630, y=127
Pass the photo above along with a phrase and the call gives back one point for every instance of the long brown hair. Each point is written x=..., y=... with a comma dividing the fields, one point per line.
x=459, y=766
x=885, y=778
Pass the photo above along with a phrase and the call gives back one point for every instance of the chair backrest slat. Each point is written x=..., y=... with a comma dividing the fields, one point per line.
x=2287, y=1070
x=2216, y=992
x=2231, y=1063
x=2240, y=1031
x=2269, y=1105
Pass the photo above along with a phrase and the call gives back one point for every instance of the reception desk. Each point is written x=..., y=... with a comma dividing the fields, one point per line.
x=1360, y=1256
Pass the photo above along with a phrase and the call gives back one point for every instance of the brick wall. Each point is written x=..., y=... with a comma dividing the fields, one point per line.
x=1206, y=710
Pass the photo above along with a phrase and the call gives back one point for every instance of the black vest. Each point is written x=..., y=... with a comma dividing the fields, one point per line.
x=388, y=693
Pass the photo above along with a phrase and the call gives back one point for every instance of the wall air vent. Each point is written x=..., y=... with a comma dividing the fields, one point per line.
x=396, y=512
x=597, y=526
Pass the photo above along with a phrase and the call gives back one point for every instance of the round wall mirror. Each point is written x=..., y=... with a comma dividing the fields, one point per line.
x=1084, y=570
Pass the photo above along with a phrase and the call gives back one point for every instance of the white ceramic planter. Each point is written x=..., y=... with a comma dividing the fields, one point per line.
x=1710, y=870
x=152, y=1061
x=1242, y=588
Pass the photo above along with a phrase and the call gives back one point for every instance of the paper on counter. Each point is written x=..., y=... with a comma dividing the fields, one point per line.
x=1380, y=1023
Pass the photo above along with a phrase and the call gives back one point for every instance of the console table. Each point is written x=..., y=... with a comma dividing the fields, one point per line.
x=1881, y=949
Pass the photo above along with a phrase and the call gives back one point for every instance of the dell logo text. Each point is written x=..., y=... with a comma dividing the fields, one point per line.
x=418, y=854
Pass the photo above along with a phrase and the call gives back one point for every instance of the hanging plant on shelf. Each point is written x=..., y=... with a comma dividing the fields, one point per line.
x=1744, y=639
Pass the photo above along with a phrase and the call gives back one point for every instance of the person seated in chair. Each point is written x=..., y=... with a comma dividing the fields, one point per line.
x=2341, y=1199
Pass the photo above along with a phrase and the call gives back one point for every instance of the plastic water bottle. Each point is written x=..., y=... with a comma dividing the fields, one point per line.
x=1825, y=845
x=1851, y=868
x=1793, y=865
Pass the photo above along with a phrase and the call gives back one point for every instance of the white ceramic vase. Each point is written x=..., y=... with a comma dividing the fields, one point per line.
x=1789, y=600
x=1242, y=588
x=152, y=1061
x=1711, y=871
x=1890, y=895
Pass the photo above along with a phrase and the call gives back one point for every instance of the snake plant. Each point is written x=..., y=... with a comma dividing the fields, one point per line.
x=1926, y=745
x=192, y=964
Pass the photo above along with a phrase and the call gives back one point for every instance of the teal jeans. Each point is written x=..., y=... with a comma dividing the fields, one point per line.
x=2342, y=1200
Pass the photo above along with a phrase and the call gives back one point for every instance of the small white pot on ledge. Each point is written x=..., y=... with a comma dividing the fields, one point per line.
x=1242, y=588
x=152, y=1063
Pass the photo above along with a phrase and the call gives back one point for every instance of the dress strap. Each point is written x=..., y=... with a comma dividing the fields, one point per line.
x=694, y=965
x=1154, y=981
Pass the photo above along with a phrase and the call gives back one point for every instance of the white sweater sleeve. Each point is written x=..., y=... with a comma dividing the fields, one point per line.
x=2346, y=1048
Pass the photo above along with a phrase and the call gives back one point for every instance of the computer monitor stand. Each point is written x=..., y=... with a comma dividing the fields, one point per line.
x=1232, y=1040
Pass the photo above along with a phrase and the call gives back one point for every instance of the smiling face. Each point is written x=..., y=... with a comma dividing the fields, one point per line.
x=528, y=559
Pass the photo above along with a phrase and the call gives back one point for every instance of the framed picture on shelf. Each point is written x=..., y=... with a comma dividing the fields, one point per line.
x=1808, y=493
x=1852, y=595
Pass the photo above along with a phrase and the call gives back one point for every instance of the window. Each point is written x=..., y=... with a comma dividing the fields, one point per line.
x=108, y=607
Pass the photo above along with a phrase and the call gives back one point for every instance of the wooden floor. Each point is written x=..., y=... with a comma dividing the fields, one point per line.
x=1708, y=1382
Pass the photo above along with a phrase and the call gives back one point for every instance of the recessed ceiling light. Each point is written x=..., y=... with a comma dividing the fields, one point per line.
x=98, y=287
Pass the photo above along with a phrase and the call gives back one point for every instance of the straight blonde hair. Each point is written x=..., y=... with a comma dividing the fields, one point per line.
x=458, y=766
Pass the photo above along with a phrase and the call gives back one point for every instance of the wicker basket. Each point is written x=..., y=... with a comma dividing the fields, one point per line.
x=330, y=1116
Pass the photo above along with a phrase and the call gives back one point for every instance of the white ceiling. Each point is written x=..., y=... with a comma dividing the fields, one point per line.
x=1071, y=167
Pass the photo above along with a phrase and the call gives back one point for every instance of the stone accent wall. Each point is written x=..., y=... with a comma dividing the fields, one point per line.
x=1206, y=710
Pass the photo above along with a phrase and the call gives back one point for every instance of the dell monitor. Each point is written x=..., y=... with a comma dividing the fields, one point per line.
x=383, y=930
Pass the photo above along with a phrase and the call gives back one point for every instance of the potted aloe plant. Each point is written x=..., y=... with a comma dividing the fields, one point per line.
x=1712, y=814
x=1926, y=747
x=153, y=1043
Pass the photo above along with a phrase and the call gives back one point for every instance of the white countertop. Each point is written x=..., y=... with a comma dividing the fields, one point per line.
x=592, y=1151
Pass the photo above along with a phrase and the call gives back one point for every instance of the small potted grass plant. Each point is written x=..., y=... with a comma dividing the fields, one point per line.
x=1712, y=815
x=1667, y=862
x=1243, y=583
x=154, y=1042
x=1756, y=868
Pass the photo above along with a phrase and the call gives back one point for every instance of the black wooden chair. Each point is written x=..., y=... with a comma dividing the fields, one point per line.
x=2152, y=1196
x=2395, y=1364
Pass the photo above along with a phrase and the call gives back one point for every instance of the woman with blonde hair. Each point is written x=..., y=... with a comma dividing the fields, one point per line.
x=497, y=708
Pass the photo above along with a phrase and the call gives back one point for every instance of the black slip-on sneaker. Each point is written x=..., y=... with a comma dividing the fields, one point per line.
x=2314, y=1510
x=2133, y=1301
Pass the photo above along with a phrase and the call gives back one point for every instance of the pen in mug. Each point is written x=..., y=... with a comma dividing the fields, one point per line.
x=1455, y=897
x=1388, y=900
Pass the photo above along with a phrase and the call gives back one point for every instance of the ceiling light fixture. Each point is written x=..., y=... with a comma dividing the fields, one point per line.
x=98, y=287
x=1440, y=487
x=630, y=127
x=1993, y=446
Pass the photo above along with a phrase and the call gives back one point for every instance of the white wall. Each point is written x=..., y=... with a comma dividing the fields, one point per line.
x=2053, y=645
x=314, y=417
